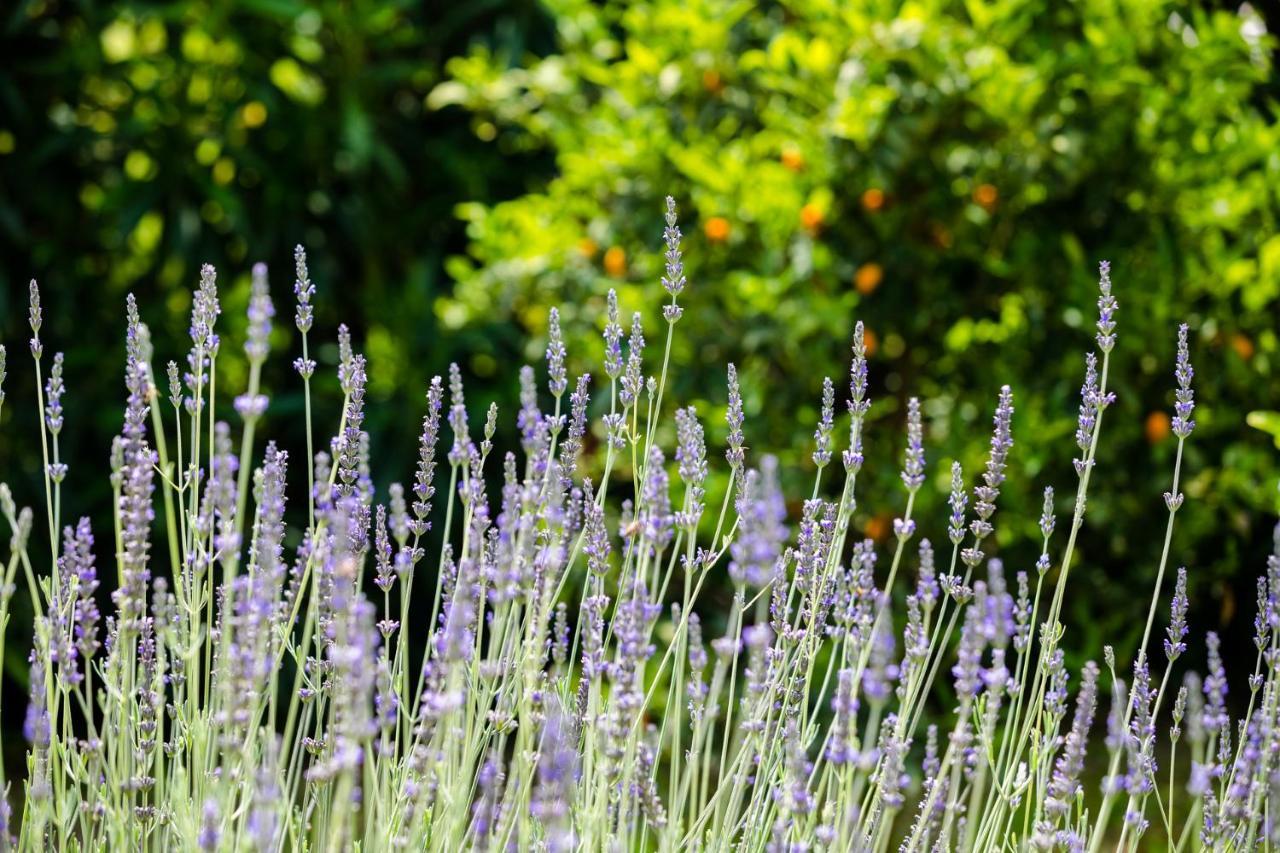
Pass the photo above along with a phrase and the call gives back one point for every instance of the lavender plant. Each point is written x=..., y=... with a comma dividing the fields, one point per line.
x=241, y=694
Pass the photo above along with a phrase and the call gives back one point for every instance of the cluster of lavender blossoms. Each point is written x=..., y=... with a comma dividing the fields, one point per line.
x=618, y=652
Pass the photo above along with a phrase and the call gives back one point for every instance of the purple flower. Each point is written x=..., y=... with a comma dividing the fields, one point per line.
x=967, y=668
x=1215, y=686
x=303, y=289
x=351, y=445
x=137, y=471
x=613, y=339
x=205, y=310
x=913, y=466
x=1177, y=629
x=53, y=391
x=795, y=798
x=210, y=834
x=1001, y=442
x=1116, y=737
x=656, y=518
x=881, y=673
x=691, y=456
x=35, y=317
x=1046, y=514
x=250, y=407
x=733, y=418
x=958, y=501
x=77, y=564
x=1106, y=309
x=1179, y=712
x=1022, y=614
x=462, y=445
x=985, y=495
x=572, y=446
x=217, y=518
x=595, y=536
x=529, y=419
x=633, y=378
x=35, y=728
x=927, y=582
x=487, y=808
x=673, y=279
x=1092, y=402
x=844, y=707
x=858, y=403
x=1142, y=732
x=258, y=343
x=762, y=531
x=1065, y=783
x=822, y=436
x=382, y=551
x=423, y=490
x=1185, y=397
x=555, y=356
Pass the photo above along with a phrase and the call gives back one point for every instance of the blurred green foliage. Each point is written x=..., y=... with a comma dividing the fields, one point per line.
x=141, y=139
x=950, y=173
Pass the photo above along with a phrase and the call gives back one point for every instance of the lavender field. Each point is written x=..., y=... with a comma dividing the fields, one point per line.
x=555, y=673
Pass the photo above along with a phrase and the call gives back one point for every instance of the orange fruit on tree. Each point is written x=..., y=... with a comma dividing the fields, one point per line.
x=587, y=248
x=811, y=217
x=712, y=81
x=615, y=262
x=792, y=159
x=1242, y=345
x=717, y=229
x=873, y=199
x=1157, y=427
x=987, y=196
x=868, y=278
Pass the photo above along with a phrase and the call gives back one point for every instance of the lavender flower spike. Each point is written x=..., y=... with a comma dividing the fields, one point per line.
x=733, y=417
x=1066, y=773
x=822, y=435
x=559, y=379
x=1186, y=397
x=958, y=501
x=1091, y=403
x=633, y=379
x=858, y=402
x=36, y=319
x=53, y=391
x=613, y=339
x=1175, y=646
x=1215, y=686
x=1107, y=306
x=673, y=279
x=260, y=312
x=692, y=458
x=1046, y=514
x=913, y=467
x=985, y=495
x=204, y=309
x=303, y=289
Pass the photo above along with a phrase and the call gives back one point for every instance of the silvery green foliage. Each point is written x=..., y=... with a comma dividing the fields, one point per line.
x=259, y=682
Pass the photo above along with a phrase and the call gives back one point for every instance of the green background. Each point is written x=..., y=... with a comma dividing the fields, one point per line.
x=948, y=172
